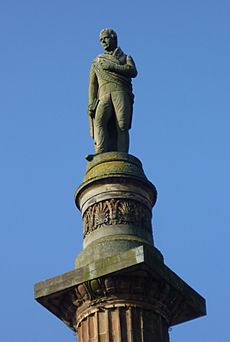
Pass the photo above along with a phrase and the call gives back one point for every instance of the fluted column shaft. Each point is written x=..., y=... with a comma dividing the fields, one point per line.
x=122, y=323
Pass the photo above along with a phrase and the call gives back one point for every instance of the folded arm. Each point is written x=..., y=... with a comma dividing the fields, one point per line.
x=128, y=69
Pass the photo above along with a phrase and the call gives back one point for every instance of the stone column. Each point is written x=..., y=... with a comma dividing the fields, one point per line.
x=120, y=289
x=116, y=201
x=119, y=309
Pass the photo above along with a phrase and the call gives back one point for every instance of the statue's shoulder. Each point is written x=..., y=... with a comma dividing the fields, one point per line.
x=122, y=56
x=102, y=55
x=97, y=59
x=119, y=53
x=129, y=58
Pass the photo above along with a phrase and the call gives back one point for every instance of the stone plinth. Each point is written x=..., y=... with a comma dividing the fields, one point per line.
x=120, y=290
x=115, y=201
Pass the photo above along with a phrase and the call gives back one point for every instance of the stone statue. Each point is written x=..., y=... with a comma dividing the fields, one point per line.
x=110, y=96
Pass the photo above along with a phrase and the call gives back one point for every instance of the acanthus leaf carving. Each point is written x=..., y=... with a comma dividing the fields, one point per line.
x=116, y=211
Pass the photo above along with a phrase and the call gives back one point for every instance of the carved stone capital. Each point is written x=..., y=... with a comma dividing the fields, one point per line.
x=139, y=290
x=124, y=303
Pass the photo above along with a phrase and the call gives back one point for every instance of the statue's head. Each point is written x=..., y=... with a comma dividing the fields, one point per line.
x=108, y=39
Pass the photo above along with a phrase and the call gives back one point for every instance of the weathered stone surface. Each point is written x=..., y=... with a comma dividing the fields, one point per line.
x=147, y=282
x=116, y=201
x=121, y=290
x=114, y=164
x=120, y=323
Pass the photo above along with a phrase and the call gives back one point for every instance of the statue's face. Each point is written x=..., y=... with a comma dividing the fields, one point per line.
x=108, y=43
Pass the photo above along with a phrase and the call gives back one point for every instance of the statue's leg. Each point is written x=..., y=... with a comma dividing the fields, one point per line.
x=122, y=107
x=102, y=116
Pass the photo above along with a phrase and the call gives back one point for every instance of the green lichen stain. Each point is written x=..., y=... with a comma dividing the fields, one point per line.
x=114, y=168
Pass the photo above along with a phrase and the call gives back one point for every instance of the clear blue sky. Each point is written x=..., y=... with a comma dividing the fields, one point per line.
x=180, y=132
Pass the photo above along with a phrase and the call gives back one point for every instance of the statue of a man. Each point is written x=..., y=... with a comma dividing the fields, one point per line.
x=110, y=96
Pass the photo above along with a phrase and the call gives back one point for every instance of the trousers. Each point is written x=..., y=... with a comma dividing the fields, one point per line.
x=112, y=122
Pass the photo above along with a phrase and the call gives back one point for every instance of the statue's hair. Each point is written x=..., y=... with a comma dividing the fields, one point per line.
x=111, y=32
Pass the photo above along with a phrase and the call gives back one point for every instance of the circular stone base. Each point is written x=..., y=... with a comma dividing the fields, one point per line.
x=116, y=201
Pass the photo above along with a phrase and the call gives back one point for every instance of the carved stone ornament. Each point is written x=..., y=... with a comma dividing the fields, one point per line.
x=138, y=290
x=116, y=211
